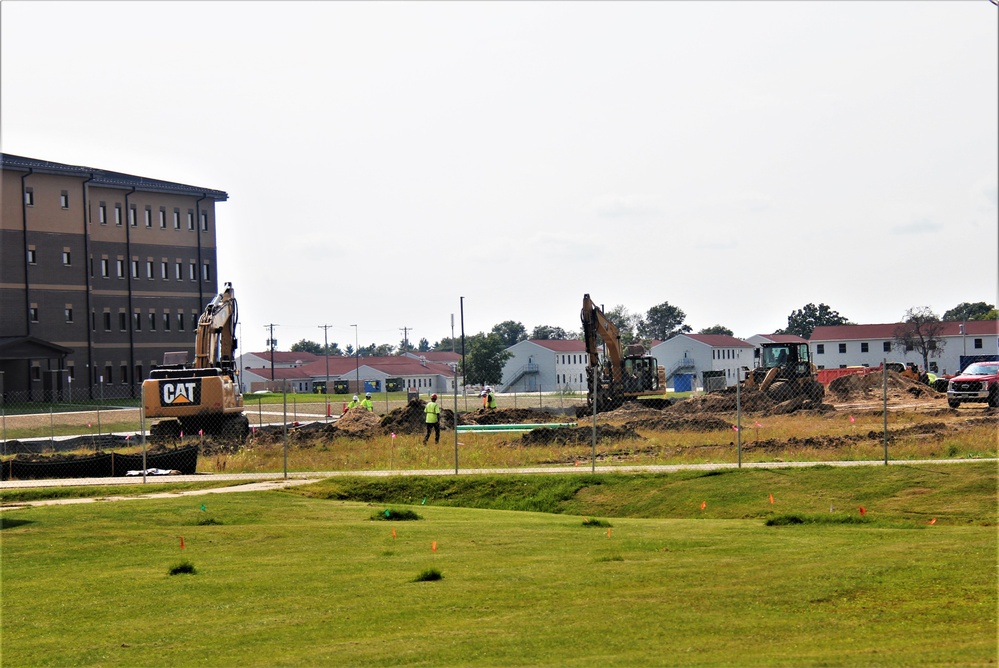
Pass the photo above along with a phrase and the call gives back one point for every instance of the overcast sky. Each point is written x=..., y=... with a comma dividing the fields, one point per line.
x=736, y=159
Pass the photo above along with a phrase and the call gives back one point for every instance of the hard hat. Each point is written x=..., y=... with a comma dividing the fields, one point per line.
x=355, y=397
x=367, y=395
x=434, y=397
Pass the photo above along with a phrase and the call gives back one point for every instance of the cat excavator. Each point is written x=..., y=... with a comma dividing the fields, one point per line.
x=204, y=397
x=626, y=374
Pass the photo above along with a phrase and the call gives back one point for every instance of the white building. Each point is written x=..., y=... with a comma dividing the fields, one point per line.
x=545, y=365
x=686, y=357
x=840, y=346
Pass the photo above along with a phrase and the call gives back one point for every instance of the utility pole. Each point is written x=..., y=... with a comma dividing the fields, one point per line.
x=405, y=338
x=326, y=351
x=271, y=343
x=357, y=364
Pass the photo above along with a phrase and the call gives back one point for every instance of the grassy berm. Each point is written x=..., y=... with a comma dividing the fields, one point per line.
x=686, y=569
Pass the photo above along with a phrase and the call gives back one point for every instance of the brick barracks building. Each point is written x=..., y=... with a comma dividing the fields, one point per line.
x=100, y=274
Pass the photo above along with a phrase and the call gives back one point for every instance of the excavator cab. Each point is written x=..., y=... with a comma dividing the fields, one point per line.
x=783, y=371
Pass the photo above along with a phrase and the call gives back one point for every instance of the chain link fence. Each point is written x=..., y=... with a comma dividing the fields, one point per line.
x=862, y=414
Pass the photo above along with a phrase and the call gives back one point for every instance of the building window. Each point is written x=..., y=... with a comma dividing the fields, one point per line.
x=190, y=220
x=33, y=314
x=887, y=346
x=864, y=347
x=36, y=373
x=122, y=321
x=105, y=267
x=71, y=371
x=206, y=272
x=162, y=218
x=820, y=349
x=149, y=268
x=135, y=268
x=121, y=268
x=180, y=321
x=978, y=344
x=176, y=219
x=124, y=373
x=107, y=374
x=102, y=214
x=32, y=256
x=107, y=321
x=67, y=258
x=179, y=271
x=131, y=216
x=908, y=348
x=68, y=312
x=29, y=197
x=137, y=319
x=166, y=322
x=138, y=372
x=149, y=216
x=64, y=199
x=193, y=271
x=842, y=348
x=152, y=322
x=117, y=215
x=204, y=222
x=163, y=270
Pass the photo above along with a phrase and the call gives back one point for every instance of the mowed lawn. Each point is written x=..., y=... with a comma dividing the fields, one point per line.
x=287, y=580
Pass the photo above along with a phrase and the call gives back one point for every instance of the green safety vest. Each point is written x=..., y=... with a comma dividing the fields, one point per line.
x=367, y=404
x=353, y=404
x=492, y=400
x=433, y=412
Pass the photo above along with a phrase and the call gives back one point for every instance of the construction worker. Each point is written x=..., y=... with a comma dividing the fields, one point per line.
x=354, y=403
x=367, y=402
x=433, y=412
x=490, y=398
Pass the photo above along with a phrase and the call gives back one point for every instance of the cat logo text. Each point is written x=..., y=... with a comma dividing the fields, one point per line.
x=180, y=392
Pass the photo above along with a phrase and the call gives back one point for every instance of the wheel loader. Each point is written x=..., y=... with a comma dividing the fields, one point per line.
x=783, y=371
x=205, y=397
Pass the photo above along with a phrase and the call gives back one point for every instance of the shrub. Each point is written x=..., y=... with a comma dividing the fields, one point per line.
x=182, y=567
x=398, y=515
x=429, y=575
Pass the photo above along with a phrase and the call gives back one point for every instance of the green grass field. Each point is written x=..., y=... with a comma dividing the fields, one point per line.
x=308, y=577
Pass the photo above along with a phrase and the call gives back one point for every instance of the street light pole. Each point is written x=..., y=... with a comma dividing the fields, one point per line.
x=357, y=363
x=326, y=351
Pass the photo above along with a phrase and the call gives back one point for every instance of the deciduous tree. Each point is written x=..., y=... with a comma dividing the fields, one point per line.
x=663, y=322
x=968, y=311
x=920, y=332
x=716, y=329
x=804, y=321
x=485, y=355
x=549, y=333
x=510, y=332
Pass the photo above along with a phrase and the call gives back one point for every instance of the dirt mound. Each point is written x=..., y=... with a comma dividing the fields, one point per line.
x=631, y=410
x=680, y=423
x=359, y=422
x=871, y=386
x=577, y=435
x=506, y=416
x=412, y=419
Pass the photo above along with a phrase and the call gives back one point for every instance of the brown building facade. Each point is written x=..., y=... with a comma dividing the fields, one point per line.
x=100, y=274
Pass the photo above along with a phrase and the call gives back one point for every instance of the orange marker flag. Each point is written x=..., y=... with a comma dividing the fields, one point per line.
x=771, y=498
x=608, y=532
x=393, y=532
x=863, y=511
x=704, y=504
x=433, y=546
x=933, y=521
x=182, y=542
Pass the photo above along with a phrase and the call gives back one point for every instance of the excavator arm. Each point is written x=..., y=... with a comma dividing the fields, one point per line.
x=216, y=337
x=596, y=324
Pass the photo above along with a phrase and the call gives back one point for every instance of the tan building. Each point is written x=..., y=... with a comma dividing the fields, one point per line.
x=100, y=274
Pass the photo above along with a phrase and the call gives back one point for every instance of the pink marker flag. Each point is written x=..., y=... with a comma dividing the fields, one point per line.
x=182, y=434
x=89, y=425
x=852, y=419
x=393, y=434
x=758, y=424
x=201, y=432
x=734, y=428
x=128, y=436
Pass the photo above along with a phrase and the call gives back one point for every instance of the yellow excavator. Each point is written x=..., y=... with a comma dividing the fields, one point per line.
x=783, y=371
x=626, y=374
x=205, y=397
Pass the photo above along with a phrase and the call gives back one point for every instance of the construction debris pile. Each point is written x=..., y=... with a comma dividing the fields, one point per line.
x=871, y=386
x=578, y=435
x=412, y=419
x=506, y=416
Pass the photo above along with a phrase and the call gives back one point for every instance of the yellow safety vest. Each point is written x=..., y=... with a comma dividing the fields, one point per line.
x=433, y=412
x=367, y=404
x=492, y=400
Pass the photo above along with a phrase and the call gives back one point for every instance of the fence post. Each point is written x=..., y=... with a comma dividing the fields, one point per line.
x=738, y=418
x=99, y=407
x=142, y=432
x=884, y=375
x=284, y=430
x=51, y=427
x=593, y=437
x=3, y=413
